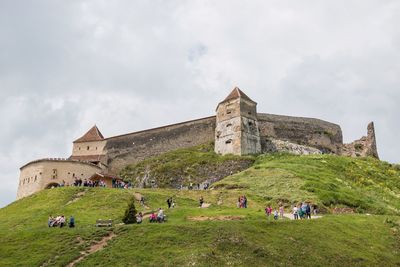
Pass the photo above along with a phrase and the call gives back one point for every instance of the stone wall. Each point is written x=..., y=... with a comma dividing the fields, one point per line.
x=273, y=145
x=39, y=174
x=131, y=148
x=310, y=132
x=88, y=148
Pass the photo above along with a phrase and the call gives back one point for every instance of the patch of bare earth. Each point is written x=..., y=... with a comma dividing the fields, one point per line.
x=214, y=218
x=77, y=197
x=94, y=248
x=138, y=197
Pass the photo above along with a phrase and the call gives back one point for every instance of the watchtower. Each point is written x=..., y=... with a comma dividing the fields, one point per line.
x=236, y=129
x=90, y=147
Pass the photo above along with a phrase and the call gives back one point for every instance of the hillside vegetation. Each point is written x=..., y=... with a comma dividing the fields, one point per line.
x=222, y=234
x=341, y=240
x=362, y=184
x=184, y=166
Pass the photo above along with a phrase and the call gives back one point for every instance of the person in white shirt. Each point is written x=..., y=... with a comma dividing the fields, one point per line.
x=295, y=213
x=160, y=215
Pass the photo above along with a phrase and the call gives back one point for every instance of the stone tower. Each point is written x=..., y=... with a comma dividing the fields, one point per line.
x=236, y=129
x=90, y=147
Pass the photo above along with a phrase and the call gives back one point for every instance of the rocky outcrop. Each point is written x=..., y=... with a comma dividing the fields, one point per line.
x=273, y=145
x=363, y=147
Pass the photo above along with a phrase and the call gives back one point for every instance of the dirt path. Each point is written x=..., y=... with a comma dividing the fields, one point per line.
x=77, y=197
x=214, y=218
x=94, y=248
x=138, y=197
x=290, y=216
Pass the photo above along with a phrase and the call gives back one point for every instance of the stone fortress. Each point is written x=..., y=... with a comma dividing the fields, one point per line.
x=237, y=128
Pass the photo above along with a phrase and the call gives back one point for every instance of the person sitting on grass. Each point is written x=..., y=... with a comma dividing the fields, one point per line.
x=153, y=217
x=71, y=223
x=160, y=215
x=50, y=221
x=62, y=221
x=139, y=218
x=56, y=221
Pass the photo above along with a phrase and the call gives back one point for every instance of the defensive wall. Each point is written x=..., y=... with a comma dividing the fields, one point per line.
x=134, y=147
x=320, y=134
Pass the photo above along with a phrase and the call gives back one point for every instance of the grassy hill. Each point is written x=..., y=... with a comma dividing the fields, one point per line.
x=183, y=166
x=222, y=234
x=362, y=184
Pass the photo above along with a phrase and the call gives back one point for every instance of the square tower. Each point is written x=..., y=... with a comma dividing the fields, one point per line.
x=90, y=147
x=236, y=129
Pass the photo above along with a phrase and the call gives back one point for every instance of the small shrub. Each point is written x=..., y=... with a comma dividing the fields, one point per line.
x=130, y=212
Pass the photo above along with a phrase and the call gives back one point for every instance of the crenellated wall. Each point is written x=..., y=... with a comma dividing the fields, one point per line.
x=131, y=148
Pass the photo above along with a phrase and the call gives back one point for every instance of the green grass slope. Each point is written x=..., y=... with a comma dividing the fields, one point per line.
x=363, y=184
x=184, y=166
x=194, y=237
x=333, y=240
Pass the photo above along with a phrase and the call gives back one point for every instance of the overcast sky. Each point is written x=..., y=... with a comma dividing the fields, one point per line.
x=131, y=65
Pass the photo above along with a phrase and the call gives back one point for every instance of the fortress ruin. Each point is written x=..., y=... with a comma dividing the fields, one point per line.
x=237, y=128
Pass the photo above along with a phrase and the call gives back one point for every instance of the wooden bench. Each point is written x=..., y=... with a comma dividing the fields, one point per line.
x=101, y=222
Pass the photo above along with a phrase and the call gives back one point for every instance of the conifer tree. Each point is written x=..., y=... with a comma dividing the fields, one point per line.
x=130, y=212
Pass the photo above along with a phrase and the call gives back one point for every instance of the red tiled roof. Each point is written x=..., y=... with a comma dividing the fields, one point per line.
x=237, y=93
x=93, y=134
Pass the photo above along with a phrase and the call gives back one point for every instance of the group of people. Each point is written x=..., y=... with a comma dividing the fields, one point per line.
x=159, y=217
x=303, y=211
x=89, y=183
x=116, y=183
x=242, y=202
x=276, y=213
x=193, y=186
x=300, y=211
x=60, y=221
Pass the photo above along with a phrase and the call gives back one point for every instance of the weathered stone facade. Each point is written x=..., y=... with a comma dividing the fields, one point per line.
x=237, y=128
x=45, y=173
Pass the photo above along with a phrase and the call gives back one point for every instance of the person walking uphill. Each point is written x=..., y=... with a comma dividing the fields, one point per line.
x=169, y=202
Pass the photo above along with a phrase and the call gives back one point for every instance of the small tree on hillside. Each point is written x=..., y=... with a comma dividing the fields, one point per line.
x=130, y=212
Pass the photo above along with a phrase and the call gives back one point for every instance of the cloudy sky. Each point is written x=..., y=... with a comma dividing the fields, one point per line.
x=131, y=65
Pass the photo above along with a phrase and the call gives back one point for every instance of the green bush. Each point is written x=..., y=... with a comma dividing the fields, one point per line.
x=130, y=212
